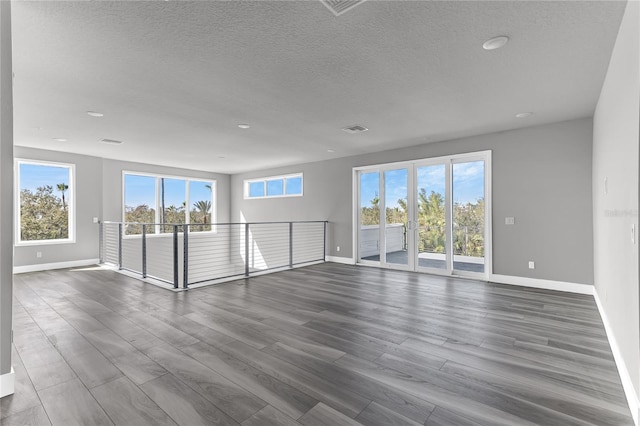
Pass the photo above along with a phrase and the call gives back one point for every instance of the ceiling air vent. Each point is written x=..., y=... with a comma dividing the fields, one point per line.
x=356, y=128
x=111, y=141
x=338, y=7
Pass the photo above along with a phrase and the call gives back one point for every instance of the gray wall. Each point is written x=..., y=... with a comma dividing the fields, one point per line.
x=541, y=176
x=6, y=188
x=615, y=158
x=88, y=204
x=99, y=194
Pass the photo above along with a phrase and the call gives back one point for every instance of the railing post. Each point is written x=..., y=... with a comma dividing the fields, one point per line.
x=290, y=244
x=246, y=249
x=120, y=245
x=101, y=242
x=324, y=241
x=144, y=251
x=185, y=272
x=176, y=276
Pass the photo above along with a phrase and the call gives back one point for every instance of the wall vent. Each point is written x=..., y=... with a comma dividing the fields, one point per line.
x=338, y=7
x=111, y=141
x=356, y=128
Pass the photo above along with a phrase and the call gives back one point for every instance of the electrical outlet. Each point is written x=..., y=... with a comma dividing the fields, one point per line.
x=95, y=220
x=38, y=254
x=509, y=220
x=532, y=264
x=338, y=248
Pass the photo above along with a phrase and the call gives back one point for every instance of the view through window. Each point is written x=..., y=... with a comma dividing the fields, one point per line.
x=167, y=201
x=276, y=186
x=46, y=196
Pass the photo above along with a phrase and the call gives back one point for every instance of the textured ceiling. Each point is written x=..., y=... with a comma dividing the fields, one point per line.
x=175, y=78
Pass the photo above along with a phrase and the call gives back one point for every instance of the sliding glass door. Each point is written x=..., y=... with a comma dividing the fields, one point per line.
x=432, y=217
x=468, y=194
x=383, y=217
x=396, y=244
x=369, y=217
x=429, y=215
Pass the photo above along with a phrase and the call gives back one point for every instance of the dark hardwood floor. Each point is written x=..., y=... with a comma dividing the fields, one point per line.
x=328, y=344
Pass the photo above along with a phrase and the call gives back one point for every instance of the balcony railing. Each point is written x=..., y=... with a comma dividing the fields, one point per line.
x=192, y=255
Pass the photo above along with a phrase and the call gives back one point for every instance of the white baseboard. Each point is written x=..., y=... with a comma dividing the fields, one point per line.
x=57, y=265
x=344, y=260
x=7, y=383
x=625, y=378
x=544, y=284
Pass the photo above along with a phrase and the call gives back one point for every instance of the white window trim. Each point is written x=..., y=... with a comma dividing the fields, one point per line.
x=264, y=180
x=157, y=177
x=70, y=199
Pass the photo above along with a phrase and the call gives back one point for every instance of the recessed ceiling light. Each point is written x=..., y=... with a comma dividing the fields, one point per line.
x=95, y=114
x=243, y=126
x=110, y=141
x=59, y=139
x=495, y=43
x=331, y=150
x=356, y=128
x=524, y=114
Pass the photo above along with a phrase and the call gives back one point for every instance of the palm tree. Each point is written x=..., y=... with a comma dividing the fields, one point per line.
x=62, y=187
x=204, y=207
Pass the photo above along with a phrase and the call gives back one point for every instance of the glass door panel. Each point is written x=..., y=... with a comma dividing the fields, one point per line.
x=431, y=216
x=396, y=217
x=468, y=193
x=369, y=217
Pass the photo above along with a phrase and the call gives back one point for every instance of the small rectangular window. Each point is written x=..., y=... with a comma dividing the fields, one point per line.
x=256, y=189
x=274, y=186
x=46, y=197
x=294, y=185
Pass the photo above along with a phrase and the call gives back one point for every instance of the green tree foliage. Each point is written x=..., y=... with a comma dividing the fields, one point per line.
x=139, y=214
x=199, y=217
x=62, y=187
x=370, y=215
x=201, y=213
x=468, y=232
x=43, y=216
x=431, y=217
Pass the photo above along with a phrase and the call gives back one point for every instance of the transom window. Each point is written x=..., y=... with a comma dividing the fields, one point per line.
x=45, y=202
x=166, y=201
x=274, y=186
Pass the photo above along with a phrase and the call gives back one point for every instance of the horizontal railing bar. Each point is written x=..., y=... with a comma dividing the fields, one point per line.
x=108, y=222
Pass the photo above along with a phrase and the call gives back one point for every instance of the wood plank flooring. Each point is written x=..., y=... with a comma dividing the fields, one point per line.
x=327, y=344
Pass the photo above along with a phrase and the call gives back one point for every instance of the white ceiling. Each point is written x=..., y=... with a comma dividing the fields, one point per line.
x=175, y=78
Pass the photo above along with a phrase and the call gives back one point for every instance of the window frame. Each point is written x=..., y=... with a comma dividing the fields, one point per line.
x=247, y=183
x=187, y=180
x=70, y=200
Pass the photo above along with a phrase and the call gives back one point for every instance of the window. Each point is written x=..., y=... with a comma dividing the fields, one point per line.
x=276, y=186
x=45, y=202
x=167, y=200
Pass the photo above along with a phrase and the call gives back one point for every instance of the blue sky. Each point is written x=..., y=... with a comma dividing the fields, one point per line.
x=35, y=175
x=468, y=183
x=141, y=190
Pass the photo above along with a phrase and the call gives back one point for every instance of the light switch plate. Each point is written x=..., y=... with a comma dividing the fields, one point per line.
x=509, y=220
x=532, y=264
